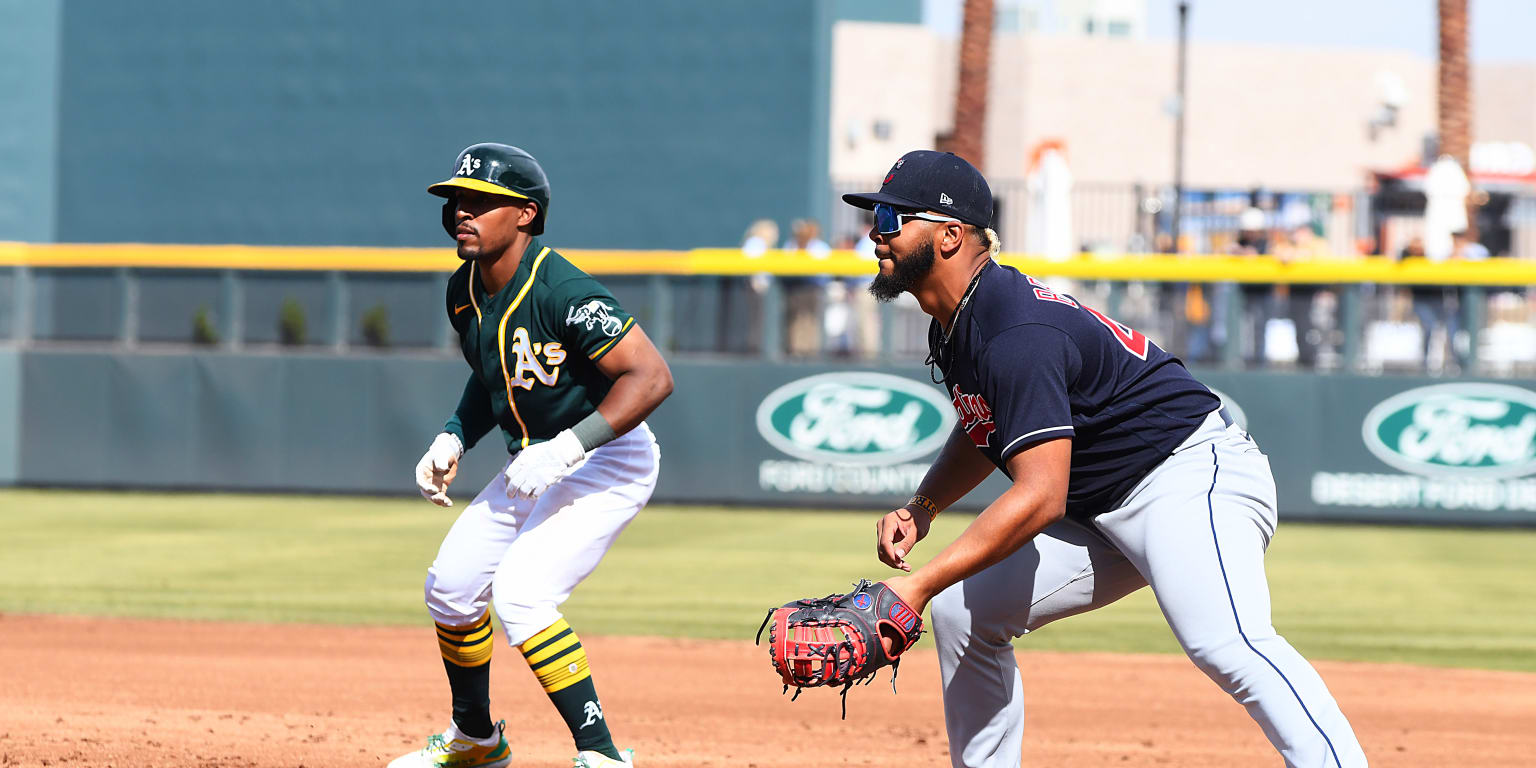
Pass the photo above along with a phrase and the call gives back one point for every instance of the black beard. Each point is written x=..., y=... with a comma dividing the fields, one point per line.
x=905, y=275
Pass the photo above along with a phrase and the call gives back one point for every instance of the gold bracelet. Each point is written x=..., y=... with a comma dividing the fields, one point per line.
x=926, y=504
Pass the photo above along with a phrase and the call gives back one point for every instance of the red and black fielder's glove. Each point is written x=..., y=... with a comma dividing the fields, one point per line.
x=840, y=639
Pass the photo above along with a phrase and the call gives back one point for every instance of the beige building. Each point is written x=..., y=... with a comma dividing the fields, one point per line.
x=1281, y=118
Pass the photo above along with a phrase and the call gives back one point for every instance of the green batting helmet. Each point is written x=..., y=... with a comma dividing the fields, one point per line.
x=497, y=169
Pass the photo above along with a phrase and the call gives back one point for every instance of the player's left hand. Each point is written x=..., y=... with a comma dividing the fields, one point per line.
x=539, y=466
x=908, y=590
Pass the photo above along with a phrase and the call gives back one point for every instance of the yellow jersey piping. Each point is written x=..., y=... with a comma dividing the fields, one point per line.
x=604, y=348
x=501, y=340
x=472, y=301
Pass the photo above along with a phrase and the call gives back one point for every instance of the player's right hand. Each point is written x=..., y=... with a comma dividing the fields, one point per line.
x=897, y=533
x=437, y=468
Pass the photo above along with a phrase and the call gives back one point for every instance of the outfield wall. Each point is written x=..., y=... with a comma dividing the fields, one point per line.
x=321, y=123
x=1342, y=447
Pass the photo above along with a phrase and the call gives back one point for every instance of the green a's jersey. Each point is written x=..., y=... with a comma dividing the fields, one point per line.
x=533, y=347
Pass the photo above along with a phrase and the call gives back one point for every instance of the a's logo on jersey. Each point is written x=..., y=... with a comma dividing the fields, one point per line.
x=975, y=417
x=594, y=314
x=854, y=418
x=1460, y=430
x=525, y=367
x=468, y=165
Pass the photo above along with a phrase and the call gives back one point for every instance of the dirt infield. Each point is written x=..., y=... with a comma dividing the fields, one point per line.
x=98, y=692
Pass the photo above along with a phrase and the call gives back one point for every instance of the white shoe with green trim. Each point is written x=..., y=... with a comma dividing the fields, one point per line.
x=600, y=760
x=452, y=749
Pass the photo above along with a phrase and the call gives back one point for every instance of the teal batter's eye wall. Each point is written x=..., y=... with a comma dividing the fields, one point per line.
x=662, y=124
x=29, y=78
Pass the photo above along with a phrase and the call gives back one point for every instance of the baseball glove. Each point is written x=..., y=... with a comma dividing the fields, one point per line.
x=840, y=639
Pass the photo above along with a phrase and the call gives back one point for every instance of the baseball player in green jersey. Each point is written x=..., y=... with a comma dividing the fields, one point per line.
x=569, y=378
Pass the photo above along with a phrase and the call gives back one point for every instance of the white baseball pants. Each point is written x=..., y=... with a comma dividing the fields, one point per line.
x=527, y=556
x=1195, y=529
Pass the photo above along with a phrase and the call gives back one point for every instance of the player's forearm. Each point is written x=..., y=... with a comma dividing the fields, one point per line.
x=959, y=468
x=634, y=395
x=473, y=418
x=1007, y=524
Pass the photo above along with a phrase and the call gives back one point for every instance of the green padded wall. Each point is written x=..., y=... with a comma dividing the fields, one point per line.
x=662, y=124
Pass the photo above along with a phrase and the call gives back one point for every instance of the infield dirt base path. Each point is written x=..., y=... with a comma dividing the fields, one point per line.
x=108, y=692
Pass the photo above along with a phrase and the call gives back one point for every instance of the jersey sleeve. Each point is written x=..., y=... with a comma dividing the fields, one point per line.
x=473, y=419
x=590, y=320
x=1024, y=374
x=457, y=302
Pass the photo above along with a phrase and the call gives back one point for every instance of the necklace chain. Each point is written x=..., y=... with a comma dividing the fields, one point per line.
x=954, y=321
x=964, y=299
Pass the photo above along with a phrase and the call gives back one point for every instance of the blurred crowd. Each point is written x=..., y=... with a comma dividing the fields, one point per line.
x=824, y=315
x=1414, y=327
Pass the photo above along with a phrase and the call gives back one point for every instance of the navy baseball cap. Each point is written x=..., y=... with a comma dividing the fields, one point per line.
x=926, y=180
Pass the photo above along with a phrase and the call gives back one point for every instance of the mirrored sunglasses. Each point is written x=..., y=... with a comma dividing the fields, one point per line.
x=889, y=220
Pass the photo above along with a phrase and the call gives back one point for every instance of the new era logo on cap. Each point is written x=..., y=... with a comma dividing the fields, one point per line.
x=945, y=199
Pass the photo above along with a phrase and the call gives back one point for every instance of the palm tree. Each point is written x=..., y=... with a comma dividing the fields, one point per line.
x=968, y=137
x=1455, y=94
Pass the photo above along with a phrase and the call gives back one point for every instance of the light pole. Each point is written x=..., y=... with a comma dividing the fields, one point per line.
x=1178, y=129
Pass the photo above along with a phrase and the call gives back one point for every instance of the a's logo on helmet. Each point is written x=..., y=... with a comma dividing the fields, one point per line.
x=469, y=164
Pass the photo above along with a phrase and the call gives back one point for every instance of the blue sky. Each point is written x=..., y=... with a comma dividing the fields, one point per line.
x=1502, y=30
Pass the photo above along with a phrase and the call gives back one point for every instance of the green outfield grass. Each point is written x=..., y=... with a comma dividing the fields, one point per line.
x=1446, y=597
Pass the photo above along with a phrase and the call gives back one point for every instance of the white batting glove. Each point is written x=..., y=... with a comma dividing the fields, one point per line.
x=539, y=466
x=437, y=467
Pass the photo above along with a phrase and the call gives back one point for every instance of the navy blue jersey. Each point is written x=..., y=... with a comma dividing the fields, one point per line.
x=1026, y=364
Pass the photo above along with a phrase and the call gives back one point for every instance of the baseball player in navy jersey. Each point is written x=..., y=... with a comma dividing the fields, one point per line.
x=1126, y=472
x=569, y=378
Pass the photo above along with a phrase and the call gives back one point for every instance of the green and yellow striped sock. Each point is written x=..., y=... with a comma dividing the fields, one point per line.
x=560, y=663
x=467, y=659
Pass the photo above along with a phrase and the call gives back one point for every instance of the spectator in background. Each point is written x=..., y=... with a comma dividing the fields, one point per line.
x=1252, y=232
x=863, y=333
x=805, y=235
x=1435, y=306
x=760, y=237
x=859, y=243
x=804, y=296
x=1304, y=246
x=1467, y=249
x=1253, y=239
x=1366, y=246
x=1205, y=332
x=743, y=305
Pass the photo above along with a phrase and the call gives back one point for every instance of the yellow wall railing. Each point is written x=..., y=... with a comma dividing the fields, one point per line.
x=730, y=261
